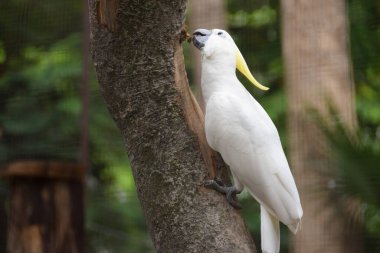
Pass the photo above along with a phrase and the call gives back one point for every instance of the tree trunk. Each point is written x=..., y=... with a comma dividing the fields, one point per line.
x=46, y=207
x=318, y=75
x=208, y=14
x=140, y=67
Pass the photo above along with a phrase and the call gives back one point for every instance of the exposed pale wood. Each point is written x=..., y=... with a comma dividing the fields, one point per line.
x=107, y=13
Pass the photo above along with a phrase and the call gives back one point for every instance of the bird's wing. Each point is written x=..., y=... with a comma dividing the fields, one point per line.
x=248, y=141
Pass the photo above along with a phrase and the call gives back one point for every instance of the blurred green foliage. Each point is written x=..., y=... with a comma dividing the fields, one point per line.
x=365, y=39
x=40, y=107
x=40, y=76
x=359, y=161
x=40, y=103
x=354, y=186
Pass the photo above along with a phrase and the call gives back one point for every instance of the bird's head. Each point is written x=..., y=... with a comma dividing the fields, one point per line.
x=217, y=45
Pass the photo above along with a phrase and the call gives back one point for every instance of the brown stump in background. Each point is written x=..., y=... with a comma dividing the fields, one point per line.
x=46, y=207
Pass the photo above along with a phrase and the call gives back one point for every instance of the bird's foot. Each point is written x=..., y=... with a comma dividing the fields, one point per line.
x=230, y=191
x=216, y=184
x=231, y=197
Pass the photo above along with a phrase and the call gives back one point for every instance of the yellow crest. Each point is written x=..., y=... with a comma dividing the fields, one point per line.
x=242, y=66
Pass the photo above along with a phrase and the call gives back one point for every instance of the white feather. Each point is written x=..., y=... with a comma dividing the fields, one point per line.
x=270, y=232
x=239, y=128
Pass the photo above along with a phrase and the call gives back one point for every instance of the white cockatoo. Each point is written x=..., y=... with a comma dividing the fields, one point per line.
x=242, y=132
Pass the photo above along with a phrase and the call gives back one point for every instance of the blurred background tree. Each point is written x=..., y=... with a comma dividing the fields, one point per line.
x=40, y=75
x=318, y=75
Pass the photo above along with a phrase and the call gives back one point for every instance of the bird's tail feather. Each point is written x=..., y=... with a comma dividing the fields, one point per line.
x=295, y=226
x=270, y=232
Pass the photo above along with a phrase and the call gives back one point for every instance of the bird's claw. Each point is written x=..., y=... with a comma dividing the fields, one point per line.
x=229, y=191
x=214, y=184
x=219, y=181
x=231, y=197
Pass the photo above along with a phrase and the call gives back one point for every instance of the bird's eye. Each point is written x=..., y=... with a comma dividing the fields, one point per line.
x=220, y=33
x=199, y=34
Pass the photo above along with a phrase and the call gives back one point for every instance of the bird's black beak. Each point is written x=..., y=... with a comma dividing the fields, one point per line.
x=200, y=36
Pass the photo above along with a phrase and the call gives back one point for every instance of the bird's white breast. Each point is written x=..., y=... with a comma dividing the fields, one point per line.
x=239, y=128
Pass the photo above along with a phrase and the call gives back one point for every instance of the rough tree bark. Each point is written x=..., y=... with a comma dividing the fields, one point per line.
x=139, y=64
x=318, y=73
